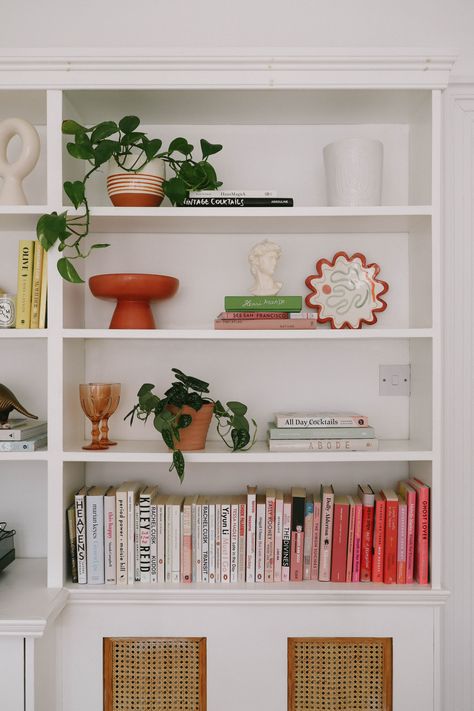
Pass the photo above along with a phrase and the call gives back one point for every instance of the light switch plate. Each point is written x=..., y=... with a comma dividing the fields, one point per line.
x=394, y=379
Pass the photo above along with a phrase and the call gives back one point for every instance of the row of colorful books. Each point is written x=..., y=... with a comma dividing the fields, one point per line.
x=132, y=534
x=321, y=432
x=265, y=312
x=32, y=285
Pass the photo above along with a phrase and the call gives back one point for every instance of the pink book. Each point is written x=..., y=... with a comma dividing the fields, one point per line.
x=286, y=539
x=251, y=521
x=308, y=536
x=252, y=315
x=278, y=535
x=274, y=323
x=339, y=539
x=260, y=540
x=316, y=537
x=368, y=498
x=391, y=536
x=409, y=494
x=350, y=539
x=379, y=540
x=242, y=538
x=357, y=540
x=422, y=531
x=269, y=534
x=402, y=541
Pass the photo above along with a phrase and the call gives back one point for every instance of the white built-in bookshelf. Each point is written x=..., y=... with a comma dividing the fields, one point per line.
x=273, y=119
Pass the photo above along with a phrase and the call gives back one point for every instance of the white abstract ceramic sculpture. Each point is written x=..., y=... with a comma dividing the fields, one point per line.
x=354, y=172
x=11, y=192
x=263, y=258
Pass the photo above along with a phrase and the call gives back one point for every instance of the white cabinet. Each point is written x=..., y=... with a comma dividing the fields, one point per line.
x=273, y=116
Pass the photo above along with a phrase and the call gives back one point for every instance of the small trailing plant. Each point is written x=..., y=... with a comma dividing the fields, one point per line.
x=98, y=144
x=169, y=419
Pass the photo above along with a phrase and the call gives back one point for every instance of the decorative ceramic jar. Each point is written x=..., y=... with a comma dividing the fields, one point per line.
x=13, y=173
x=354, y=172
x=141, y=189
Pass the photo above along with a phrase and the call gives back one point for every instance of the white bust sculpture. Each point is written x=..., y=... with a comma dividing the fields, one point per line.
x=263, y=258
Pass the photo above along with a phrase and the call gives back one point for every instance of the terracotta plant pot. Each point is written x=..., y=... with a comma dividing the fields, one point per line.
x=193, y=437
x=133, y=293
x=141, y=189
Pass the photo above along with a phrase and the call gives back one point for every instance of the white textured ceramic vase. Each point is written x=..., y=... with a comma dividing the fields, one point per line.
x=354, y=172
x=12, y=192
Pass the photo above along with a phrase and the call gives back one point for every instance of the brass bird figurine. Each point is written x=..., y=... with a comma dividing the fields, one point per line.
x=8, y=402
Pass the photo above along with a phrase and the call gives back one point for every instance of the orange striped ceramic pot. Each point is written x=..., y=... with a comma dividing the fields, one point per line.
x=194, y=437
x=141, y=189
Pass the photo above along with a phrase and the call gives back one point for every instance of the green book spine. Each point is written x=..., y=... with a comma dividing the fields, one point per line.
x=321, y=432
x=264, y=303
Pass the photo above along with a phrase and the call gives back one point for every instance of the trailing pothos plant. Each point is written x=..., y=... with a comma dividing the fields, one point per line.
x=98, y=144
x=169, y=419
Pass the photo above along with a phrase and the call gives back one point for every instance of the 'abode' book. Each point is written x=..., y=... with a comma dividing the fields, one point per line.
x=323, y=445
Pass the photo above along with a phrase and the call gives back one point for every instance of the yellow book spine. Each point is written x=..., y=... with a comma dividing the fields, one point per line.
x=43, y=292
x=24, y=284
x=36, y=288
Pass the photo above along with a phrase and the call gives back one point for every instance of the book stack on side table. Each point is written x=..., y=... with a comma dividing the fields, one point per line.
x=264, y=312
x=321, y=432
x=23, y=436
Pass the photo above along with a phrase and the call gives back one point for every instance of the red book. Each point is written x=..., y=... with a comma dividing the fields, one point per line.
x=357, y=540
x=339, y=539
x=291, y=324
x=409, y=494
x=391, y=536
x=402, y=541
x=379, y=539
x=298, y=496
x=422, y=531
x=368, y=498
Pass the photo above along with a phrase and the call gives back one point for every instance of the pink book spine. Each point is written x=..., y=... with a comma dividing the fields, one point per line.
x=278, y=536
x=391, y=539
x=274, y=323
x=357, y=542
x=269, y=536
x=260, y=541
x=350, y=540
x=296, y=559
x=422, y=532
x=316, y=538
x=308, y=538
x=252, y=315
x=379, y=540
x=410, y=497
x=402, y=542
x=251, y=522
x=286, y=542
x=242, y=542
x=186, y=575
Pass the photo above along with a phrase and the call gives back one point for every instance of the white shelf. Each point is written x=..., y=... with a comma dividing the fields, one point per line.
x=155, y=451
x=21, y=217
x=247, y=334
x=250, y=220
x=41, y=455
x=23, y=333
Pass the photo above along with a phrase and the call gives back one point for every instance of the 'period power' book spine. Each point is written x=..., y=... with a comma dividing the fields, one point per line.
x=24, y=283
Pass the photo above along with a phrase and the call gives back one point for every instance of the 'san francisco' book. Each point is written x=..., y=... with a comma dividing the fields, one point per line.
x=368, y=497
x=325, y=548
x=263, y=303
x=298, y=496
x=24, y=283
x=379, y=539
x=320, y=419
x=339, y=539
x=391, y=535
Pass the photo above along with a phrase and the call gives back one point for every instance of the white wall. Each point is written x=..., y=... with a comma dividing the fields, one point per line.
x=224, y=23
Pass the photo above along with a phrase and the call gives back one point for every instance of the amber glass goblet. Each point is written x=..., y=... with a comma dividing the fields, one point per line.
x=95, y=402
x=114, y=403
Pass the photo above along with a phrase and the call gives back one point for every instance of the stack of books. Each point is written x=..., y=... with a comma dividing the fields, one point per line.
x=23, y=436
x=321, y=432
x=133, y=534
x=32, y=285
x=236, y=198
x=264, y=312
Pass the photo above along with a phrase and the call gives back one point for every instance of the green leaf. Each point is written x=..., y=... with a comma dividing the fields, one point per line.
x=184, y=421
x=129, y=124
x=219, y=409
x=208, y=149
x=100, y=246
x=80, y=151
x=103, y=130
x=152, y=147
x=145, y=388
x=70, y=127
x=210, y=177
x=240, y=439
x=49, y=228
x=105, y=151
x=131, y=138
x=237, y=408
x=181, y=146
x=68, y=271
x=240, y=423
x=190, y=174
x=176, y=190
x=178, y=464
x=75, y=192
x=167, y=437
x=195, y=401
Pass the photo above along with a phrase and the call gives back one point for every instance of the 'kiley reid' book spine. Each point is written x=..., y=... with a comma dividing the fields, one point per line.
x=238, y=202
x=24, y=283
x=263, y=303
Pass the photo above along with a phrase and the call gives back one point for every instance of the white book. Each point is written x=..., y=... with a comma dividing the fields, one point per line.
x=199, y=540
x=234, y=539
x=193, y=538
x=122, y=537
x=161, y=537
x=278, y=535
x=251, y=522
x=323, y=445
x=20, y=429
x=327, y=513
x=153, y=543
x=81, y=541
x=231, y=193
x=286, y=539
x=144, y=532
x=212, y=542
x=187, y=534
x=136, y=543
x=218, y=540
x=133, y=528
x=110, y=536
x=242, y=538
x=181, y=545
x=205, y=540
x=269, y=534
x=95, y=535
x=176, y=544
x=260, y=540
x=225, y=540
x=168, y=539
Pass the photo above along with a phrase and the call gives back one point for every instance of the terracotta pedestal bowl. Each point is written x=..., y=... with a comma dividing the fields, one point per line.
x=133, y=293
